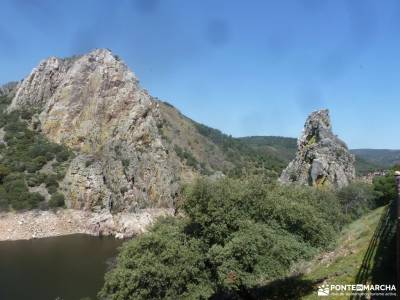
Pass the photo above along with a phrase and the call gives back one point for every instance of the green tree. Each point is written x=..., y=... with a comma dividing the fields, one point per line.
x=164, y=264
x=4, y=171
x=386, y=186
x=357, y=198
x=57, y=200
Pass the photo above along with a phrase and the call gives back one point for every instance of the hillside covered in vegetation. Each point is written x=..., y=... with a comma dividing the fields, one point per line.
x=234, y=238
x=384, y=158
x=210, y=150
x=31, y=167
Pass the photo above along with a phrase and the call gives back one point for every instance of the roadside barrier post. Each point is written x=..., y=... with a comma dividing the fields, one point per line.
x=397, y=176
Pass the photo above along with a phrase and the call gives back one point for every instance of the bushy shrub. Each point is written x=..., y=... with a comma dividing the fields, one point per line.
x=22, y=159
x=4, y=171
x=36, y=164
x=14, y=183
x=51, y=180
x=35, y=179
x=235, y=236
x=164, y=264
x=34, y=199
x=62, y=155
x=385, y=186
x=57, y=200
x=357, y=198
x=253, y=253
x=14, y=192
x=52, y=189
x=216, y=209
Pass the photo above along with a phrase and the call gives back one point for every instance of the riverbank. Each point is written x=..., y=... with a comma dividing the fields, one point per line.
x=40, y=224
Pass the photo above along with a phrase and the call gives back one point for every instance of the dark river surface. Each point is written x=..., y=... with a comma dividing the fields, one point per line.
x=68, y=267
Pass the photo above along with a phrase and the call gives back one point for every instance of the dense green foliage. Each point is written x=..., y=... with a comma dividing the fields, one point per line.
x=218, y=208
x=358, y=198
x=385, y=186
x=172, y=265
x=235, y=236
x=23, y=155
x=57, y=200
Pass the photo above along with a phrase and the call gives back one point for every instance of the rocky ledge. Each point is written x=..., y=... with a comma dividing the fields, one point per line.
x=40, y=224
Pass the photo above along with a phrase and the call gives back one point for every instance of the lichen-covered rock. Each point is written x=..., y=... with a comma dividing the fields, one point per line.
x=94, y=105
x=322, y=159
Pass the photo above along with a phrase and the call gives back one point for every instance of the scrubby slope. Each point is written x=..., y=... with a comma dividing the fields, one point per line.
x=384, y=158
x=283, y=148
x=363, y=254
x=31, y=167
x=209, y=150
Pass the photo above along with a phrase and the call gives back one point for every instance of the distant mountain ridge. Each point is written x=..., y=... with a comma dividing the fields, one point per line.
x=380, y=157
x=367, y=160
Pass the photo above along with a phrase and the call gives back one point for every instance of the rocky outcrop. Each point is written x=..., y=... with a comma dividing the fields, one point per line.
x=94, y=105
x=322, y=159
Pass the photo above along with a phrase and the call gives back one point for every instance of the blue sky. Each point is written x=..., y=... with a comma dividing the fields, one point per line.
x=244, y=67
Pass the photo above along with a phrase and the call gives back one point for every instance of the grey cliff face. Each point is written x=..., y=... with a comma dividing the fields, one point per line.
x=94, y=105
x=322, y=159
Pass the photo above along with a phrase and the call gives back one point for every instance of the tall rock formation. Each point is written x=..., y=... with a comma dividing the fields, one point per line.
x=322, y=159
x=94, y=105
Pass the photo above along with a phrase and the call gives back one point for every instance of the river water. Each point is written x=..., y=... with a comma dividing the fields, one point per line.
x=67, y=267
